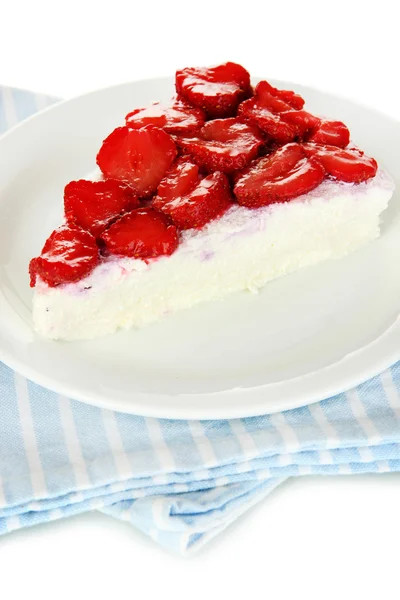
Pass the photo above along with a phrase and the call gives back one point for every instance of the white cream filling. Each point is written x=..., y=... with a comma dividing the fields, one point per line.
x=244, y=249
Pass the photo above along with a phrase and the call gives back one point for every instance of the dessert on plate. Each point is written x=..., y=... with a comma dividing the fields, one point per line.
x=226, y=188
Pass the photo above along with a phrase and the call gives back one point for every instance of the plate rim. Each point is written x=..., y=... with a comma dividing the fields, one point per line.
x=140, y=407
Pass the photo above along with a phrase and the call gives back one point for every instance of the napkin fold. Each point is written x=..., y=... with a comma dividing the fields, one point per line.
x=180, y=482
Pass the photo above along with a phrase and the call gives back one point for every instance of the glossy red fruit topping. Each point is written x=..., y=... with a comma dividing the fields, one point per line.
x=304, y=122
x=333, y=133
x=276, y=129
x=349, y=165
x=224, y=145
x=265, y=91
x=209, y=199
x=179, y=118
x=93, y=204
x=142, y=233
x=69, y=254
x=140, y=157
x=278, y=177
x=266, y=108
x=217, y=90
x=180, y=179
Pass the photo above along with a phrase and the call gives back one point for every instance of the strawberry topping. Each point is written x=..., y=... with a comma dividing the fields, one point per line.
x=217, y=90
x=69, y=254
x=179, y=118
x=266, y=93
x=333, y=133
x=207, y=200
x=278, y=177
x=180, y=179
x=223, y=145
x=139, y=157
x=276, y=129
x=140, y=164
x=271, y=109
x=142, y=233
x=93, y=204
x=304, y=122
x=349, y=165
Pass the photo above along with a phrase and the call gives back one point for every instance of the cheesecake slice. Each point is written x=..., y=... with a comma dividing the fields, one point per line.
x=176, y=220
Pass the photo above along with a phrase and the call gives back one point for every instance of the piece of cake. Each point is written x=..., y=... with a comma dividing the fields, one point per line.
x=188, y=209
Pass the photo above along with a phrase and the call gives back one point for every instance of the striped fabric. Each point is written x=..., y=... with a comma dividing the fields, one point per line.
x=180, y=482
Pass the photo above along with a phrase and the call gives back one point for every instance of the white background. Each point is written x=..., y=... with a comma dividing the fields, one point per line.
x=313, y=538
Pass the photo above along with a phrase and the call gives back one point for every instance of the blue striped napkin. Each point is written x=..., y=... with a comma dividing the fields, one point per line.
x=180, y=482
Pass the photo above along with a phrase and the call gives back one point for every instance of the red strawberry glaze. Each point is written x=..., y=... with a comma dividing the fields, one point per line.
x=138, y=157
x=143, y=233
x=286, y=98
x=223, y=145
x=69, y=254
x=350, y=165
x=332, y=133
x=180, y=179
x=180, y=118
x=217, y=90
x=208, y=199
x=94, y=204
x=278, y=177
x=140, y=165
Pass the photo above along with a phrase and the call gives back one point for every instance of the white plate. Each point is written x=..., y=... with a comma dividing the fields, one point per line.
x=304, y=337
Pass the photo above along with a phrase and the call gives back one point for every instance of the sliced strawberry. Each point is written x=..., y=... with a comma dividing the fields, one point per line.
x=278, y=177
x=142, y=233
x=93, y=204
x=217, y=90
x=265, y=91
x=333, y=133
x=209, y=199
x=180, y=179
x=139, y=157
x=267, y=108
x=179, y=118
x=277, y=130
x=223, y=145
x=303, y=121
x=349, y=165
x=69, y=254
